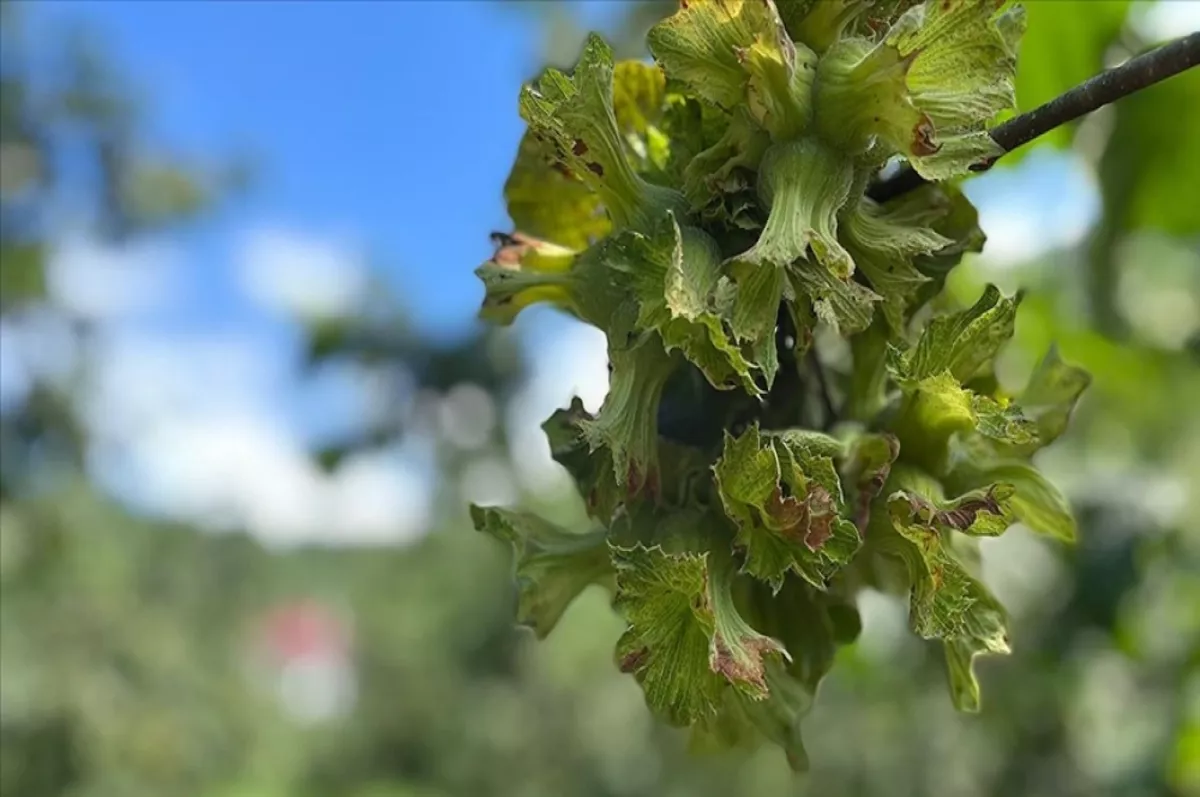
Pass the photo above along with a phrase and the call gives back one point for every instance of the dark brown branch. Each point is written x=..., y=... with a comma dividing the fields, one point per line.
x=1109, y=86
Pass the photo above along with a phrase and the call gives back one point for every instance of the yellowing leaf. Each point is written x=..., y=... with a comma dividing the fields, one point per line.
x=574, y=118
x=552, y=203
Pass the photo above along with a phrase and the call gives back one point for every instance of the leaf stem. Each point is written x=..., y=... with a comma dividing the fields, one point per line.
x=1135, y=74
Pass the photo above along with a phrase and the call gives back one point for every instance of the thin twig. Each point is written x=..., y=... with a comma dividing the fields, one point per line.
x=1109, y=86
x=823, y=388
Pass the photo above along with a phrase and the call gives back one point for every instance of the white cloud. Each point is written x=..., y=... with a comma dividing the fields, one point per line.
x=312, y=276
x=232, y=471
x=140, y=379
x=104, y=282
x=192, y=428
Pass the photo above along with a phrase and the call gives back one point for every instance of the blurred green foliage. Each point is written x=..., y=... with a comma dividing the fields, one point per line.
x=126, y=661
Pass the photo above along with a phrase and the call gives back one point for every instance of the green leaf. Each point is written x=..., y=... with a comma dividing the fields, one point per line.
x=744, y=723
x=736, y=53
x=686, y=642
x=692, y=126
x=552, y=565
x=819, y=23
x=784, y=496
x=628, y=420
x=986, y=512
x=946, y=602
x=961, y=343
x=844, y=304
x=713, y=174
x=676, y=274
x=805, y=185
x=683, y=470
x=574, y=117
x=639, y=105
x=865, y=471
x=1036, y=502
x=1051, y=394
x=884, y=243
x=592, y=470
x=546, y=200
x=812, y=625
x=953, y=217
x=937, y=408
x=928, y=90
x=961, y=653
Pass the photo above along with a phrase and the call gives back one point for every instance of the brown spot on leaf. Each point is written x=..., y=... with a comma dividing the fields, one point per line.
x=983, y=165
x=870, y=484
x=924, y=143
x=651, y=486
x=633, y=660
x=788, y=511
x=596, y=169
x=963, y=517
x=510, y=249
x=580, y=147
x=747, y=669
x=633, y=479
x=821, y=513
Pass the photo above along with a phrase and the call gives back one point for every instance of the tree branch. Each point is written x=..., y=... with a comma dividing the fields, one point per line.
x=1109, y=86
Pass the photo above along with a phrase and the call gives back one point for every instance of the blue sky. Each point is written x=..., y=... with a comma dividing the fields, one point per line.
x=391, y=122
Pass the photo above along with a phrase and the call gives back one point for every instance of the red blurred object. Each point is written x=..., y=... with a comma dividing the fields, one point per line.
x=305, y=629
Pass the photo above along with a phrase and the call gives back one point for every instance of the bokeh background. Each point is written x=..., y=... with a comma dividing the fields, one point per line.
x=244, y=400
